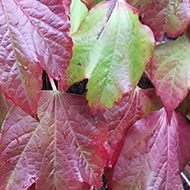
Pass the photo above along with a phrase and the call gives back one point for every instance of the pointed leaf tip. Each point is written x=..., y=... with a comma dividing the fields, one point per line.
x=122, y=116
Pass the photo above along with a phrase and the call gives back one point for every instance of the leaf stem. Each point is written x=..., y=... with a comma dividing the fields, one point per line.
x=185, y=178
x=52, y=83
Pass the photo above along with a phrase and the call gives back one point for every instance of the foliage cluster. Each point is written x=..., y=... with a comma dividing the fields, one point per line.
x=51, y=139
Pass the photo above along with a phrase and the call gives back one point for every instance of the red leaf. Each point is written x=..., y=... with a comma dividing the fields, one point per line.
x=65, y=150
x=32, y=35
x=170, y=67
x=154, y=153
x=122, y=116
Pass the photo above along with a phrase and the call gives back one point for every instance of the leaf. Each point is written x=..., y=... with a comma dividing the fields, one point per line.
x=122, y=116
x=170, y=68
x=31, y=36
x=63, y=151
x=162, y=16
x=184, y=106
x=154, y=153
x=78, y=14
x=5, y=105
x=111, y=49
x=90, y=3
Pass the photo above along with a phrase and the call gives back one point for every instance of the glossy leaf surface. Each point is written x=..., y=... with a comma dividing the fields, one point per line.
x=33, y=34
x=63, y=151
x=162, y=16
x=155, y=152
x=122, y=116
x=170, y=75
x=111, y=50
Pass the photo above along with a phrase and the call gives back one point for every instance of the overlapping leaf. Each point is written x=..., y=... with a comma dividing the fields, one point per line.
x=162, y=16
x=32, y=34
x=154, y=153
x=122, y=116
x=184, y=107
x=77, y=14
x=170, y=68
x=111, y=50
x=90, y=3
x=63, y=151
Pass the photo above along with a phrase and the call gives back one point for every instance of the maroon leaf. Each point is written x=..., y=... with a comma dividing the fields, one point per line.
x=170, y=67
x=32, y=34
x=64, y=150
x=162, y=16
x=122, y=116
x=154, y=153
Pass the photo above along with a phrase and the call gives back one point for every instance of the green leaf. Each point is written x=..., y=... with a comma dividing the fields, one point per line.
x=78, y=12
x=111, y=49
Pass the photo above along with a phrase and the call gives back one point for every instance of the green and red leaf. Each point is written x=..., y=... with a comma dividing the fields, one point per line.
x=163, y=16
x=111, y=49
x=170, y=72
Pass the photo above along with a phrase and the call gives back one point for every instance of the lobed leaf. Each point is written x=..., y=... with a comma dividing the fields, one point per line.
x=122, y=116
x=65, y=150
x=33, y=34
x=154, y=153
x=111, y=49
x=162, y=16
x=170, y=68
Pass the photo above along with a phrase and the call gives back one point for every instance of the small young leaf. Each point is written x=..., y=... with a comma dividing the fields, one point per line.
x=32, y=34
x=122, y=116
x=111, y=49
x=170, y=68
x=64, y=150
x=154, y=153
x=162, y=16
